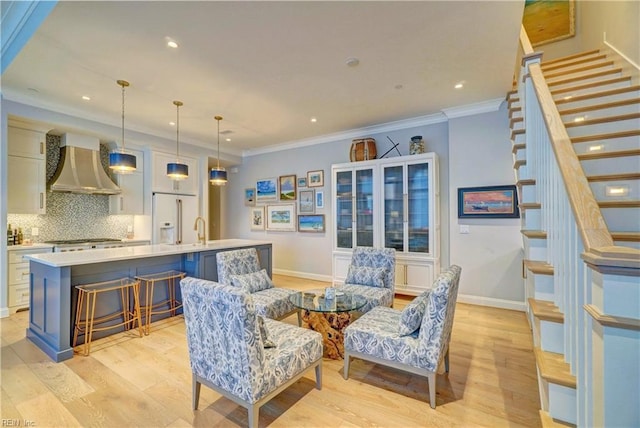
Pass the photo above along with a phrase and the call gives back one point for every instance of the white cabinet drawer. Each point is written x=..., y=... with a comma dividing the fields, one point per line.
x=18, y=256
x=19, y=295
x=18, y=273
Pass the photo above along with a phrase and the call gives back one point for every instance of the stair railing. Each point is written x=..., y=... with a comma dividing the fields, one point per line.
x=579, y=245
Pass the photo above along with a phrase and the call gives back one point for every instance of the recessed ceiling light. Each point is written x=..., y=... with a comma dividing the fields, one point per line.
x=314, y=120
x=172, y=44
x=616, y=190
x=172, y=123
x=578, y=119
x=459, y=85
x=352, y=62
x=596, y=148
x=227, y=139
x=86, y=97
x=568, y=97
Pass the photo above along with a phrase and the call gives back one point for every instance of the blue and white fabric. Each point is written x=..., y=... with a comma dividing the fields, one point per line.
x=365, y=275
x=376, y=260
x=375, y=296
x=225, y=345
x=377, y=333
x=412, y=314
x=236, y=262
x=273, y=302
x=252, y=282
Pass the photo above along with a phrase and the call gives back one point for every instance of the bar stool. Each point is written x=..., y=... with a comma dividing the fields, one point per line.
x=87, y=301
x=169, y=304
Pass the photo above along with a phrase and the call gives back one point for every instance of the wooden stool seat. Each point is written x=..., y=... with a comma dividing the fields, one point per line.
x=169, y=304
x=86, y=319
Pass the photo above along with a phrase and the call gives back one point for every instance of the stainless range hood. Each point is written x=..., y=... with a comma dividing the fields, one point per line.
x=79, y=169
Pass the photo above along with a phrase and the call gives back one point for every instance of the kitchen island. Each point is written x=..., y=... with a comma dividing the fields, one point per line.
x=54, y=277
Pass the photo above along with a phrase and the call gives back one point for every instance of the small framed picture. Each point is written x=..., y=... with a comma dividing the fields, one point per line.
x=267, y=189
x=281, y=217
x=319, y=199
x=302, y=182
x=306, y=202
x=315, y=178
x=288, y=188
x=311, y=223
x=250, y=196
x=257, y=218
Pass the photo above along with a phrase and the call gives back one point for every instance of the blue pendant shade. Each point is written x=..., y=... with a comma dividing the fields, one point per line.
x=218, y=176
x=177, y=171
x=122, y=163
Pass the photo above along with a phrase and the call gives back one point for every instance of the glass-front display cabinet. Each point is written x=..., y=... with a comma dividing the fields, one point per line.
x=354, y=209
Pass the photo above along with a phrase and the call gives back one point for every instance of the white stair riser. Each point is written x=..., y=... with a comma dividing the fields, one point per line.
x=606, y=166
x=532, y=219
x=604, y=128
x=543, y=286
x=576, y=70
x=580, y=82
x=570, y=103
x=592, y=57
x=516, y=114
x=528, y=193
x=599, y=189
x=601, y=112
x=562, y=403
x=523, y=172
x=517, y=125
x=590, y=90
x=608, y=145
x=535, y=249
x=622, y=219
x=628, y=244
x=551, y=336
x=519, y=138
x=520, y=154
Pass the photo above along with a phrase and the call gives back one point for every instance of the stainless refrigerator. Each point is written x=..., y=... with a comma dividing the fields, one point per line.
x=173, y=219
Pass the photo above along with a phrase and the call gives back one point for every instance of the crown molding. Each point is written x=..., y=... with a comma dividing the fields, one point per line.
x=472, y=109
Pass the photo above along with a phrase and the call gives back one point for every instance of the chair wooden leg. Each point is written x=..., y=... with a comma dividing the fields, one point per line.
x=431, y=384
x=196, y=392
x=347, y=359
x=299, y=319
x=319, y=376
x=446, y=361
x=254, y=415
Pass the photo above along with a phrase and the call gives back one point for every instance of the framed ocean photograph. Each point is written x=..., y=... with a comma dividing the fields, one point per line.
x=281, y=217
x=267, y=189
x=488, y=202
x=306, y=202
x=257, y=218
x=302, y=182
x=548, y=21
x=288, y=188
x=311, y=223
x=250, y=196
x=315, y=178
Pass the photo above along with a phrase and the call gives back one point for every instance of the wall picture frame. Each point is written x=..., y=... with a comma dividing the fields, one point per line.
x=302, y=182
x=549, y=21
x=267, y=189
x=281, y=217
x=311, y=223
x=257, y=218
x=250, y=196
x=319, y=199
x=307, y=202
x=315, y=178
x=488, y=202
x=287, y=186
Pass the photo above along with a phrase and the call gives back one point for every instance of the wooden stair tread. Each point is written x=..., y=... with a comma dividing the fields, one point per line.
x=585, y=77
x=516, y=132
x=614, y=177
x=548, y=75
x=515, y=120
x=534, y=234
x=548, y=422
x=526, y=182
x=546, y=310
x=598, y=94
x=619, y=204
x=607, y=136
x=606, y=119
x=569, y=57
x=517, y=146
x=590, y=85
x=607, y=155
x=592, y=107
x=551, y=67
x=626, y=236
x=530, y=205
x=520, y=162
x=553, y=368
x=538, y=267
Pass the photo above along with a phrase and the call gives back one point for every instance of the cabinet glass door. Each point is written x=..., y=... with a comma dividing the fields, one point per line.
x=418, y=207
x=364, y=204
x=394, y=208
x=344, y=209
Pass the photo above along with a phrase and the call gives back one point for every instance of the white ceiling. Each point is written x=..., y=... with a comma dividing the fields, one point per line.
x=266, y=67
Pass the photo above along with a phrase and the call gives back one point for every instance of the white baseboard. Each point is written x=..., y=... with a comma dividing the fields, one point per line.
x=305, y=275
x=491, y=302
x=4, y=312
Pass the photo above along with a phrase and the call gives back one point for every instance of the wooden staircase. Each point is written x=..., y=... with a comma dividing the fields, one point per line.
x=599, y=108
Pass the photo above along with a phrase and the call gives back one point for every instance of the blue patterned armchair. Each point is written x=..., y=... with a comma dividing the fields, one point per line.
x=241, y=268
x=372, y=275
x=415, y=339
x=238, y=353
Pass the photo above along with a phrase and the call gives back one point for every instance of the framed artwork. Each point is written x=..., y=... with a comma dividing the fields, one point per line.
x=488, y=202
x=319, y=199
x=250, y=196
x=267, y=190
x=311, y=223
x=549, y=21
x=257, y=218
x=306, y=201
x=315, y=178
x=288, y=188
x=302, y=182
x=281, y=217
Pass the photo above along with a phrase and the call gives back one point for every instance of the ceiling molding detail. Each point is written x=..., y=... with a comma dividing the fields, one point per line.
x=471, y=109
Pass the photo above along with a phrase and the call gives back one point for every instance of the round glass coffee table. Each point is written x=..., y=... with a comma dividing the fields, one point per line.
x=329, y=317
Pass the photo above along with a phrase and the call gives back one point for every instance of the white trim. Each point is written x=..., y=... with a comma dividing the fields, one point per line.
x=4, y=312
x=491, y=302
x=471, y=109
x=305, y=275
x=626, y=58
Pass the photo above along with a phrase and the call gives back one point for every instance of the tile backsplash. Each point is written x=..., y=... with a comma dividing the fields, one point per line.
x=72, y=215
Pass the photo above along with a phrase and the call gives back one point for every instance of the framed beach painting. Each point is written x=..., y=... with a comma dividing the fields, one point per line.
x=311, y=223
x=250, y=196
x=287, y=188
x=315, y=178
x=257, y=218
x=549, y=21
x=281, y=217
x=302, y=182
x=267, y=189
x=306, y=202
x=319, y=199
x=488, y=202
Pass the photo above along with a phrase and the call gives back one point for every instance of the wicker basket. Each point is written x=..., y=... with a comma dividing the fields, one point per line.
x=362, y=149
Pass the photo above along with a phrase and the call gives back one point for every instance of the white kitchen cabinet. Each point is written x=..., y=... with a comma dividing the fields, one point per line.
x=18, y=275
x=391, y=203
x=131, y=200
x=26, y=172
x=163, y=184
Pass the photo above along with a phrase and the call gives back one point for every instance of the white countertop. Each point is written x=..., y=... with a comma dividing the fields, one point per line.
x=29, y=247
x=75, y=258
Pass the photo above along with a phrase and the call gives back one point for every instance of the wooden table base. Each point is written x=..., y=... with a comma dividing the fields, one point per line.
x=331, y=326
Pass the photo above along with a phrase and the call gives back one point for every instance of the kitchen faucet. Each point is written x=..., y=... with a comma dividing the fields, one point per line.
x=201, y=238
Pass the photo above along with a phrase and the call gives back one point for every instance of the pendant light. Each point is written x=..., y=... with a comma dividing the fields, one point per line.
x=121, y=162
x=218, y=175
x=176, y=170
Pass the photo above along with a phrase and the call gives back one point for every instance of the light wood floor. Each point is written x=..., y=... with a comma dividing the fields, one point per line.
x=129, y=381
